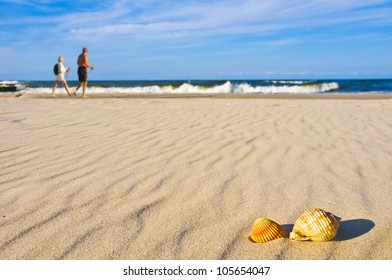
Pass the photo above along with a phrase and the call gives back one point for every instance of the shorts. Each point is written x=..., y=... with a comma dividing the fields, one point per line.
x=60, y=78
x=82, y=74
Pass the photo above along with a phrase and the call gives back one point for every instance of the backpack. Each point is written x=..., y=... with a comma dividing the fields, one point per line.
x=56, y=69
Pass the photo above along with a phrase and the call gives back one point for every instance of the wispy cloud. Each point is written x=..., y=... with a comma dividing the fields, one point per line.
x=220, y=18
x=215, y=29
x=154, y=19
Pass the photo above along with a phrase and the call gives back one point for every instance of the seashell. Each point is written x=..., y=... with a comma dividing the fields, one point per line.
x=265, y=230
x=315, y=225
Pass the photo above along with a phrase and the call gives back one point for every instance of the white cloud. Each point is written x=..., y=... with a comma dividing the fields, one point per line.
x=173, y=19
x=281, y=43
x=198, y=31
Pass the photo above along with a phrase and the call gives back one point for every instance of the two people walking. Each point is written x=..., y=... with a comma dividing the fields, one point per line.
x=82, y=74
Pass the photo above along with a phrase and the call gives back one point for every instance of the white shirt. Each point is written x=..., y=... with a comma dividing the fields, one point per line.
x=60, y=77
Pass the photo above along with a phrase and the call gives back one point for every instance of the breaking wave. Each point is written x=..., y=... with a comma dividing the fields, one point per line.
x=228, y=87
x=11, y=86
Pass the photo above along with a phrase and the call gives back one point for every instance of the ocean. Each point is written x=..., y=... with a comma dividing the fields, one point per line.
x=338, y=86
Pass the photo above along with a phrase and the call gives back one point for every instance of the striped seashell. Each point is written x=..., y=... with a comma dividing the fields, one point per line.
x=265, y=230
x=315, y=225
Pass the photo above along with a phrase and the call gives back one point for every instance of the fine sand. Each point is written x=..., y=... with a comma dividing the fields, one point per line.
x=184, y=178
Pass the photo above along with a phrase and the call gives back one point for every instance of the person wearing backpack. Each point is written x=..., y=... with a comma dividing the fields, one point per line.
x=59, y=71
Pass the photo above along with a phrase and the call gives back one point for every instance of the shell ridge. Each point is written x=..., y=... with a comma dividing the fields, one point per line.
x=264, y=230
x=315, y=225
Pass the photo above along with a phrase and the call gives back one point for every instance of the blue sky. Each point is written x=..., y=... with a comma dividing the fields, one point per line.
x=157, y=39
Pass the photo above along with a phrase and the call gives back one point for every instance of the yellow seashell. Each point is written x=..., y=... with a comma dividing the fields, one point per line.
x=315, y=225
x=265, y=230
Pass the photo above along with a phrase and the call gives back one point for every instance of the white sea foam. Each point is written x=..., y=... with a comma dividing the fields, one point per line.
x=225, y=88
x=8, y=82
x=11, y=86
x=289, y=82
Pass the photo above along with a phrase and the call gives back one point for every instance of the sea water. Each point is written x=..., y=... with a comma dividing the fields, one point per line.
x=338, y=86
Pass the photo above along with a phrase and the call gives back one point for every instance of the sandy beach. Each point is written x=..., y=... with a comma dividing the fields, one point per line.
x=184, y=178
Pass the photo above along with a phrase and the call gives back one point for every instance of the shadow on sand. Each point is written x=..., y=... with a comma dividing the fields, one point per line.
x=287, y=229
x=351, y=229
x=347, y=230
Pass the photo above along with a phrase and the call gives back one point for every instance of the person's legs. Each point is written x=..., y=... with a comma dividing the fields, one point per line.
x=84, y=89
x=82, y=74
x=78, y=87
x=54, y=88
x=66, y=88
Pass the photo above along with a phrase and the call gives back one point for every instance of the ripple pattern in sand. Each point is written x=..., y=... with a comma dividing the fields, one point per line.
x=184, y=179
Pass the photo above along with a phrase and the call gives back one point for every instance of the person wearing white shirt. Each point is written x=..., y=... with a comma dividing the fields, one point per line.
x=60, y=76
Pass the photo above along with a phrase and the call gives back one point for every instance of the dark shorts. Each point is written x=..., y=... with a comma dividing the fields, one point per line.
x=82, y=74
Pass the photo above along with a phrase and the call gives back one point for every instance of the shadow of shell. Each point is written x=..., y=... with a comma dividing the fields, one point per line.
x=351, y=229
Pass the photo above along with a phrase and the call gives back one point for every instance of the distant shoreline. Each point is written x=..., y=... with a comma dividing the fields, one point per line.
x=215, y=96
x=178, y=88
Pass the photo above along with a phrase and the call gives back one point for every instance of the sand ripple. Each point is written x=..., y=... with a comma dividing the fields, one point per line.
x=185, y=178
